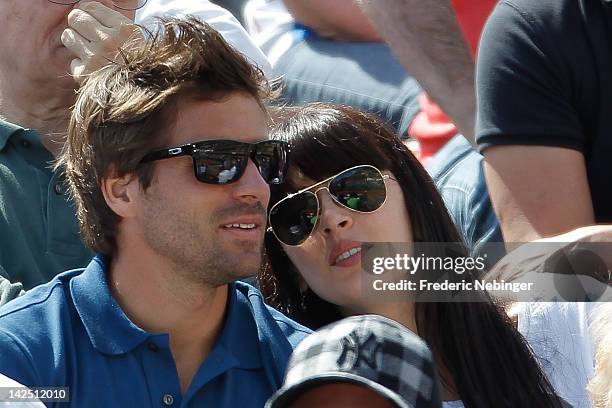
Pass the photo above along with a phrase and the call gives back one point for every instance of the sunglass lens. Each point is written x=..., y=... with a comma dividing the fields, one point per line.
x=271, y=161
x=221, y=162
x=294, y=218
x=360, y=189
x=219, y=168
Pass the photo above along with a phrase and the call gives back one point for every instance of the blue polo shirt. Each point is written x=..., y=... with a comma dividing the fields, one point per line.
x=71, y=332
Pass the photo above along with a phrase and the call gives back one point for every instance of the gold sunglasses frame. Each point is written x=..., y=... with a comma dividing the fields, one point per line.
x=327, y=180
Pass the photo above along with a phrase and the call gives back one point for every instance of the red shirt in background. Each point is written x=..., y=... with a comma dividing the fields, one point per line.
x=431, y=127
x=472, y=16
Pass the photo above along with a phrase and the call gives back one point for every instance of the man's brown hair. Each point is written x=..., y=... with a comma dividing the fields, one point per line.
x=123, y=110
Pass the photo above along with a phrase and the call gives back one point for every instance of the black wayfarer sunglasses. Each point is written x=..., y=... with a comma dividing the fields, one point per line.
x=224, y=161
x=295, y=217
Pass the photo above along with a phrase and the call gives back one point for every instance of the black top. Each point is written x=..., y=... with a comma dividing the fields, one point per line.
x=544, y=77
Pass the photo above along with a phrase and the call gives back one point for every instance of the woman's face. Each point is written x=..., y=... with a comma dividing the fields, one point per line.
x=322, y=259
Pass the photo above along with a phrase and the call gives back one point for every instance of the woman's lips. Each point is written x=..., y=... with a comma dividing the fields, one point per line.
x=345, y=254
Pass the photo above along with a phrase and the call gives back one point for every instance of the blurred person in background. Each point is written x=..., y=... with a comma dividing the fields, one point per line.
x=543, y=126
x=328, y=51
x=212, y=12
x=46, y=49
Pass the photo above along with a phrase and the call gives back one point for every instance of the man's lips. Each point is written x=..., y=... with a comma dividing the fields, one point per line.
x=243, y=223
x=343, y=252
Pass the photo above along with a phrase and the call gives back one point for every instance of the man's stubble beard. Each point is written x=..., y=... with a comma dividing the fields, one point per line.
x=194, y=247
x=223, y=266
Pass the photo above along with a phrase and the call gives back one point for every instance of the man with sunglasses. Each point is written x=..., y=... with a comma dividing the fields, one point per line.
x=168, y=162
x=45, y=45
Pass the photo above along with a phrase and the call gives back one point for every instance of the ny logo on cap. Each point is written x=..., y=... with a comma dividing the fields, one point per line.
x=356, y=351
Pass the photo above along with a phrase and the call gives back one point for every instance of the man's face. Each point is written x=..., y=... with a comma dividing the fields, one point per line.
x=186, y=221
x=30, y=45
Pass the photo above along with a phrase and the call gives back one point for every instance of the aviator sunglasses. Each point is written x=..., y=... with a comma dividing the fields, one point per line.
x=295, y=217
x=224, y=161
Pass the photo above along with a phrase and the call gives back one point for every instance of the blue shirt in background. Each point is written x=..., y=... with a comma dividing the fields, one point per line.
x=71, y=332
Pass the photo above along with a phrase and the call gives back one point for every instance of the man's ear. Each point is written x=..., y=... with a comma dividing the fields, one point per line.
x=120, y=193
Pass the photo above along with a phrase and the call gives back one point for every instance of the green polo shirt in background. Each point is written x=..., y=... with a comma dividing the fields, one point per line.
x=39, y=235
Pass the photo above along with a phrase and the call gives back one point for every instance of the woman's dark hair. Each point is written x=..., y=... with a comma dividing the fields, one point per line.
x=489, y=362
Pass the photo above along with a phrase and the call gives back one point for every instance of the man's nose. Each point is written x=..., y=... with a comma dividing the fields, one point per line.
x=251, y=187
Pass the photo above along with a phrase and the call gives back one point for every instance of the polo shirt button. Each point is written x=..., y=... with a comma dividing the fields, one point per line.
x=26, y=144
x=152, y=347
x=168, y=399
x=58, y=189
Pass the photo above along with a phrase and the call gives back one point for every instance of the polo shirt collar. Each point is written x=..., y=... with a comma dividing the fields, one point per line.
x=237, y=346
x=7, y=129
x=109, y=329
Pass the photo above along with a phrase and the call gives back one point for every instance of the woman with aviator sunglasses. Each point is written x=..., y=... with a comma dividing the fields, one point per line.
x=351, y=180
